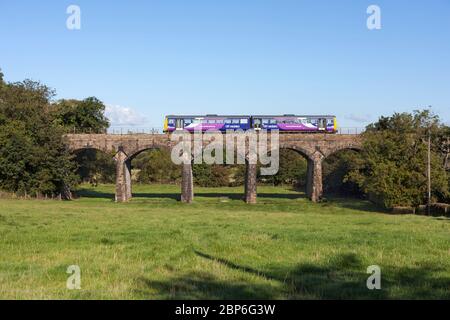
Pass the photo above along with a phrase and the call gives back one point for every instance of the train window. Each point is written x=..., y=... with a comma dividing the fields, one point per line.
x=211, y=121
x=273, y=121
x=171, y=121
x=330, y=121
x=219, y=121
x=235, y=121
x=187, y=121
x=244, y=120
x=227, y=120
x=265, y=121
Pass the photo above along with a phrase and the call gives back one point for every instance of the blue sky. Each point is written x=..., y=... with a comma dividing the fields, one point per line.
x=145, y=59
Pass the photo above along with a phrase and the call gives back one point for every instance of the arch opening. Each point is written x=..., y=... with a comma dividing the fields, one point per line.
x=149, y=169
x=96, y=169
x=337, y=169
x=220, y=182
x=291, y=180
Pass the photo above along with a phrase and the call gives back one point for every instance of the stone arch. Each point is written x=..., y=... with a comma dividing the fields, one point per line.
x=303, y=152
x=124, y=158
x=313, y=159
x=133, y=153
x=333, y=150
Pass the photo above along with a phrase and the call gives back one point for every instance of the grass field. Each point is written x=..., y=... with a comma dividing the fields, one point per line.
x=154, y=247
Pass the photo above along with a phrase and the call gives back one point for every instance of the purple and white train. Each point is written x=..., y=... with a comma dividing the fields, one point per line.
x=283, y=123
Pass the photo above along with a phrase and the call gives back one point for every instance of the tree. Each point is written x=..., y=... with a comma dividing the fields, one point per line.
x=214, y=175
x=336, y=168
x=156, y=166
x=95, y=166
x=85, y=116
x=33, y=157
x=393, y=171
x=292, y=170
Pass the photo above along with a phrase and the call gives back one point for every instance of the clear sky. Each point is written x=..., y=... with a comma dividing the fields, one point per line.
x=145, y=59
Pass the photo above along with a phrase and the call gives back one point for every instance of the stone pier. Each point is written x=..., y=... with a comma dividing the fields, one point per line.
x=123, y=177
x=250, y=182
x=314, y=177
x=187, y=183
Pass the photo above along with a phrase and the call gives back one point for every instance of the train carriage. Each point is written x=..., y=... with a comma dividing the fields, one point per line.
x=282, y=123
x=296, y=123
x=192, y=123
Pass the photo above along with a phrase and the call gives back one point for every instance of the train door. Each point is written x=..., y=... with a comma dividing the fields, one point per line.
x=179, y=124
x=257, y=123
x=322, y=124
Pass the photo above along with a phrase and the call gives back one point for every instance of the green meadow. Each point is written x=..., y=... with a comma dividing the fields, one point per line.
x=218, y=247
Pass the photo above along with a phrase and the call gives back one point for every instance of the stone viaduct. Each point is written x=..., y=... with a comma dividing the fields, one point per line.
x=314, y=147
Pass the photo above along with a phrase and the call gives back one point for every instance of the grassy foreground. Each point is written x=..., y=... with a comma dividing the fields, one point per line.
x=218, y=247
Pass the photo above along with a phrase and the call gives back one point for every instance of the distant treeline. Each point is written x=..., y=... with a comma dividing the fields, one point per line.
x=391, y=170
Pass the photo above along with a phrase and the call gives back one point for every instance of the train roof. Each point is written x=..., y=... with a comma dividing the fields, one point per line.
x=248, y=116
x=208, y=115
x=293, y=115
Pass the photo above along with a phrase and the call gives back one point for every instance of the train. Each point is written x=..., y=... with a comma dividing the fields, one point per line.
x=283, y=123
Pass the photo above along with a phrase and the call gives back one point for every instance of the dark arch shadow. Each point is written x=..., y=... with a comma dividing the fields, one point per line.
x=79, y=150
x=94, y=165
x=335, y=167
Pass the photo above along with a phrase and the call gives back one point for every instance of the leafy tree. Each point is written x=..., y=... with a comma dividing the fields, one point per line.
x=96, y=166
x=215, y=175
x=85, y=116
x=156, y=166
x=393, y=172
x=33, y=157
x=336, y=169
x=292, y=170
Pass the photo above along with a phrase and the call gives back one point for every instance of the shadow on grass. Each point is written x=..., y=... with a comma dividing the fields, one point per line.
x=89, y=193
x=442, y=218
x=291, y=196
x=353, y=204
x=342, y=277
x=173, y=196
x=332, y=200
x=241, y=196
